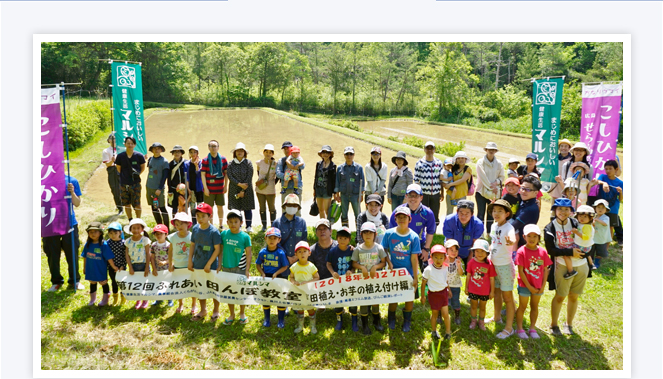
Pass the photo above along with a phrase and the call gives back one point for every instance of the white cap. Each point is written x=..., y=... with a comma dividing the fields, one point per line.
x=269, y=146
x=531, y=228
x=429, y=143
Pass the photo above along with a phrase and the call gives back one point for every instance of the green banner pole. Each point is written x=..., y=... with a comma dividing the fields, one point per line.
x=546, y=113
x=128, y=105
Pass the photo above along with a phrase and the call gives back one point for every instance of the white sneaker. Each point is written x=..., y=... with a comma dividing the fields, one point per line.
x=248, y=229
x=79, y=286
x=54, y=287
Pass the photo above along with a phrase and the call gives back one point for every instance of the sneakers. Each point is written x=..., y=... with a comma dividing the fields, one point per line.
x=145, y=304
x=54, y=287
x=522, y=334
x=570, y=274
x=504, y=334
x=170, y=303
x=482, y=325
x=283, y=191
x=457, y=316
x=79, y=286
x=568, y=329
x=533, y=334
x=300, y=327
x=435, y=335
x=249, y=229
x=447, y=336
x=473, y=324
x=554, y=330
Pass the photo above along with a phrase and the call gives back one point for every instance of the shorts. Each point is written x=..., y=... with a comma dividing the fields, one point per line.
x=576, y=284
x=506, y=274
x=615, y=221
x=601, y=250
x=438, y=299
x=138, y=266
x=234, y=270
x=130, y=195
x=218, y=198
x=474, y=296
x=150, y=194
x=524, y=292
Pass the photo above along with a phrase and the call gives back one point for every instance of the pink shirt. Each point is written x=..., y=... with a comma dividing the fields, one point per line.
x=480, y=274
x=534, y=263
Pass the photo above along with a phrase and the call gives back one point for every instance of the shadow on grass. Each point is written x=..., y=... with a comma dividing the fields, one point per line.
x=52, y=302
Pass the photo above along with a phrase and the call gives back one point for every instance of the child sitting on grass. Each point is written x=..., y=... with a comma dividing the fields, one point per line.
x=435, y=276
x=302, y=272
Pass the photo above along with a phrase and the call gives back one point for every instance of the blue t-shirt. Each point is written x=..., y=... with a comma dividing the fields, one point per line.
x=422, y=222
x=465, y=235
x=272, y=261
x=401, y=247
x=77, y=191
x=96, y=260
x=205, y=239
x=612, y=196
x=341, y=260
x=292, y=232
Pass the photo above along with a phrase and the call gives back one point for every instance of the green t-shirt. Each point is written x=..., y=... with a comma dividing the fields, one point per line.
x=233, y=247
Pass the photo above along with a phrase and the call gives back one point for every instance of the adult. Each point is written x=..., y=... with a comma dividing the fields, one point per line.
x=266, y=185
x=130, y=164
x=564, y=147
x=320, y=249
x=325, y=179
x=463, y=227
x=179, y=169
x=292, y=227
x=194, y=181
x=374, y=215
x=427, y=172
x=528, y=209
x=579, y=152
x=349, y=187
x=158, y=172
x=280, y=172
x=558, y=236
x=529, y=167
x=240, y=191
x=462, y=175
x=422, y=221
x=376, y=173
x=213, y=173
x=54, y=245
x=108, y=157
x=490, y=175
x=399, y=179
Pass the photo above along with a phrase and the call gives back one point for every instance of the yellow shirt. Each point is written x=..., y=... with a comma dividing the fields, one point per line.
x=461, y=189
x=303, y=273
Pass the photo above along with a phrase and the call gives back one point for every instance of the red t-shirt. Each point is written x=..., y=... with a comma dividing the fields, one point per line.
x=480, y=274
x=534, y=263
x=215, y=185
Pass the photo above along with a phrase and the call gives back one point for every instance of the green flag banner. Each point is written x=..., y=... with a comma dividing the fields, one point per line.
x=128, y=105
x=546, y=112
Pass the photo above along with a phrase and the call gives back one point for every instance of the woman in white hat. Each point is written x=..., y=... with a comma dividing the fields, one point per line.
x=324, y=180
x=266, y=185
x=490, y=175
x=376, y=173
x=579, y=152
x=462, y=176
x=240, y=189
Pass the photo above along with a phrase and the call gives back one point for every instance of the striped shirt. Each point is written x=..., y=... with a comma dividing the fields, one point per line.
x=427, y=174
x=215, y=185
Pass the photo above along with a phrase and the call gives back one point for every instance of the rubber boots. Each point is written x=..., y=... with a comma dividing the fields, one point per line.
x=364, y=325
x=122, y=299
x=313, y=329
x=116, y=299
x=407, y=321
x=281, y=324
x=104, y=300
x=339, y=321
x=377, y=323
x=391, y=319
x=355, y=327
x=300, y=320
x=267, y=323
x=93, y=299
x=457, y=316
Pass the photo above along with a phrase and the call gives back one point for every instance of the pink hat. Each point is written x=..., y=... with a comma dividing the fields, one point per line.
x=160, y=228
x=302, y=244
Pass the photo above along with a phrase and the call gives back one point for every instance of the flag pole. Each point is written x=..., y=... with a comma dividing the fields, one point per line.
x=69, y=197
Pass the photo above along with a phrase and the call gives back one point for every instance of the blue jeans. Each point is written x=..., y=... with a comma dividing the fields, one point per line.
x=454, y=302
x=396, y=201
x=346, y=200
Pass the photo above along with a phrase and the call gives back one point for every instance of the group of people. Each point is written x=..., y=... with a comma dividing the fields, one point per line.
x=507, y=206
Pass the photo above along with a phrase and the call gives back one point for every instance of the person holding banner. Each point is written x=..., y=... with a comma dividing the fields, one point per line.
x=205, y=249
x=108, y=157
x=130, y=164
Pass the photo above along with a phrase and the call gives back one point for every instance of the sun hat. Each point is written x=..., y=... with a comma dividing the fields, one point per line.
x=451, y=242
x=562, y=202
x=160, y=228
x=437, y=249
x=181, y=216
x=490, y=146
x=286, y=144
x=193, y=147
x=302, y=244
x=205, y=208
x=503, y=203
x=481, y=244
x=328, y=149
x=531, y=228
x=403, y=209
x=579, y=164
x=116, y=226
x=512, y=180
x=401, y=155
x=157, y=144
x=465, y=204
x=94, y=225
x=448, y=161
x=374, y=198
x=349, y=149
x=369, y=226
x=344, y=230
x=376, y=149
x=291, y=199
x=414, y=187
x=571, y=183
x=295, y=149
x=429, y=143
x=324, y=222
x=239, y=146
x=580, y=145
x=269, y=147
x=136, y=221
x=177, y=148
x=273, y=232
x=586, y=209
x=460, y=154
x=596, y=203
x=513, y=160
x=566, y=141
x=532, y=156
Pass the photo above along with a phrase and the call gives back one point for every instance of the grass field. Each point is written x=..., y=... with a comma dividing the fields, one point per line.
x=74, y=336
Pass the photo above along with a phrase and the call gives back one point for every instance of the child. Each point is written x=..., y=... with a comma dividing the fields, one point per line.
x=580, y=169
x=181, y=198
x=479, y=271
x=179, y=249
x=533, y=269
x=446, y=177
x=403, y=247
x=613, y=192
x=455, y=267
x=583, y=238
x=571, y=191
x=272, y=261
x=205, y=248
x=97, y=254
x=302, y=272
x=513, y=166
x=511, y=193
x=293, y=170
x=137, y=251
x=235, y=244
x=339, y=261
x=159, y=251
x=602, y=235
x=503, y=236
x=116, y=243
x=435, y=276
x=369, y=256
x=374, y=215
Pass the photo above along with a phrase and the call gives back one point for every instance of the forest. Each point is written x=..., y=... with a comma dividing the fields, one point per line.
x=476, y=84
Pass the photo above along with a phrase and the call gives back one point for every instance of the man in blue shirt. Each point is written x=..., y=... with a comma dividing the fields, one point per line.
x=292, y=227
x=422, y=221
x=528, y=210
x=464, y=227
x=54, y=245
x=349, y=186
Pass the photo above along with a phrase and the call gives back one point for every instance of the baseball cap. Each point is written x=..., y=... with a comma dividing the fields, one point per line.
x=402, y=209
x=438, y=249
x=349, y=149
x=95, y=225
x=273, y=232
x=295, y=149
x=532, y=156
x=414, y=187
x=429, y=143
x=376, y=149
x=302, y=244
x=465, y=204
x=514, y=160
x=512, y=180
x=596, y=203
x=344, y=230
x=324, y=222
x=286, y=144
x=368, y=226
x=448, y=161
x=451, y=242
x=481, y=244
x=374, y=198
x=531, y=228
x=205, y=208
x=160, y=228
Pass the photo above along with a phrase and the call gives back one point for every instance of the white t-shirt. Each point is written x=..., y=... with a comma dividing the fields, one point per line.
x=453, y=279
x=602, y=233
x=500, y=253
x=108, y=154
x=137, y=249
x=181, y=247
x=436, y=277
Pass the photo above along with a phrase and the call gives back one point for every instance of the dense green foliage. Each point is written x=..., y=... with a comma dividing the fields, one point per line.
x=478, y=84
x=86, y=118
